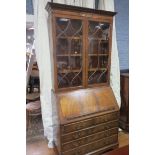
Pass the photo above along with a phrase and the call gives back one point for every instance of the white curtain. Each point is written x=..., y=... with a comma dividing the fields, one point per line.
x=45, y=64
x=83, y=3
x=115, y=69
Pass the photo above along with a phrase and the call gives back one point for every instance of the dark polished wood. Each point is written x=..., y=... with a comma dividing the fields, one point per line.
x=86, y=111
x=121, y=151
x=58, y=6
x=106, y=127
x=124, y=110
x=84, y=149
x=94, y=137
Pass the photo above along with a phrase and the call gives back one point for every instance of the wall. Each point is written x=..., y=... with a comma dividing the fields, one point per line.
x=122, y=31
x=29, y=7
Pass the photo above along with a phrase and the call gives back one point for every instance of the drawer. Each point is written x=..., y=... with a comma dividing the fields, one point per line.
x=88, y=131
x=89, y=122
x=93, y=146
x=88, y=139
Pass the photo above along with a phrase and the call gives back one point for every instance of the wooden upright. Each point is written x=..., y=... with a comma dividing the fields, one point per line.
x=85, y=107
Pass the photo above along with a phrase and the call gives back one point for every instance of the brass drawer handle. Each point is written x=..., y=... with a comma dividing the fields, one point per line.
x=79, y=126
x=77, y=135
x=107, y=127
x=75, y=144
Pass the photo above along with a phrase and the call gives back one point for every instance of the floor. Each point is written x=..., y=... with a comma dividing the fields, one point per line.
x=38, y=145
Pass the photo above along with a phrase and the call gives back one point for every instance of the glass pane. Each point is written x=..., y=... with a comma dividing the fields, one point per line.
x=76, y=47
x=69, y=52
x=96, y=76
x=98, y=52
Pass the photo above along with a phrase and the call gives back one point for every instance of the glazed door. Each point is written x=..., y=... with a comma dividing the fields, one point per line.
x=98, y=43
x=69, y=53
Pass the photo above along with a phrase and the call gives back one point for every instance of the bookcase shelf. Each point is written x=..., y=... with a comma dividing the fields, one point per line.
x=67, y=55
x=98, y=54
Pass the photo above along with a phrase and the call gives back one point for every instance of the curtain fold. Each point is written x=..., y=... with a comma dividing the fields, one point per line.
x=44, y=65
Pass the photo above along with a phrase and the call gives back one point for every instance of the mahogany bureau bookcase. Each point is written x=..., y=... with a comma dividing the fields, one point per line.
x=86, y=111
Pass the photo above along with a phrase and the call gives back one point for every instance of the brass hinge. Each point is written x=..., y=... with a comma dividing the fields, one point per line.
x=89, y=15
x=86, y=15
x=83, y=14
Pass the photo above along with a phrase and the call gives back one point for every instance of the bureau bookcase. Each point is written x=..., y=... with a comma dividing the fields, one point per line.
x=86, y=110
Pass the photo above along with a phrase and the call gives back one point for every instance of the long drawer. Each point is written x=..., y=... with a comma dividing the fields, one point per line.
x=89, y=122
x=88, y=139
x=88, y=131
x=93, y=146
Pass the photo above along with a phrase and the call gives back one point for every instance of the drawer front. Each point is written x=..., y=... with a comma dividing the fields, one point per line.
x=93, y=146
x=88, y=131
x=89, y=122
x=89, y=139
